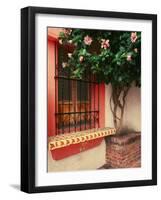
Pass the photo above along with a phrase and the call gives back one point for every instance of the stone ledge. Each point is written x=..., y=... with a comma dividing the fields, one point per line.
x=78, y=137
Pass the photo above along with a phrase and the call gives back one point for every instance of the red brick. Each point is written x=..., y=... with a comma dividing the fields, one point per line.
x=124, y=151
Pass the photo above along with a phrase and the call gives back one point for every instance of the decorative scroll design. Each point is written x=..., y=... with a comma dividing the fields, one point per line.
x=63, y=140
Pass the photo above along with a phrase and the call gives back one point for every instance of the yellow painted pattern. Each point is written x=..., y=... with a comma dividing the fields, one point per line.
x=78, y=137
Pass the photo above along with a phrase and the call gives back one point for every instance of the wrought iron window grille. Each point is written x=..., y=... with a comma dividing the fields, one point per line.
x=76, y=100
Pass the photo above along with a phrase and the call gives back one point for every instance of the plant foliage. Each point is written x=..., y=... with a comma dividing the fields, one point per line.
x=113, y=56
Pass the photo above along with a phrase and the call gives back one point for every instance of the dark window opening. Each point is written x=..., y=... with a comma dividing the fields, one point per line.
x=76, y=99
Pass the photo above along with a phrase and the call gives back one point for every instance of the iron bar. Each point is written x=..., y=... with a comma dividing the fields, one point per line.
x=75, y=79
x=65, y=113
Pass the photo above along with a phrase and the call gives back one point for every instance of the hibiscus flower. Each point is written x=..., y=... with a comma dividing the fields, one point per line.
x=81, y=58
x=69, y=55
x=64, y=64
x=133, y=37
x=105, y=44
x=68, y=31
x=60, y=41
x=87, y=40
x=136, y=50
x=128, y=58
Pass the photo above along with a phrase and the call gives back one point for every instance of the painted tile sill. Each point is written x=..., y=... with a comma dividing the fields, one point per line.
x=63, y=140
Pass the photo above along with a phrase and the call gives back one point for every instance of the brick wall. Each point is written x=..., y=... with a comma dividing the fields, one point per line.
x=123, y=151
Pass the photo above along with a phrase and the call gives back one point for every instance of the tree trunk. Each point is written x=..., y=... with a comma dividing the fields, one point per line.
x=117, y=105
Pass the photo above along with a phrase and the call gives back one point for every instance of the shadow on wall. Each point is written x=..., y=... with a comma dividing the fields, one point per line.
x=132, y=115
x=127, y=130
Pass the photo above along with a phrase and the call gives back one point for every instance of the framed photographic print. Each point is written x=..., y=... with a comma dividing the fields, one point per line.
x=88, y=99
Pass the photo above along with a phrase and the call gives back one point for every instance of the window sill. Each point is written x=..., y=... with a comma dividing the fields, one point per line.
x=78, y=137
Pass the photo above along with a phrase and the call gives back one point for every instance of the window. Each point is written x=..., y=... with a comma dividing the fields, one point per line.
x=77, y=100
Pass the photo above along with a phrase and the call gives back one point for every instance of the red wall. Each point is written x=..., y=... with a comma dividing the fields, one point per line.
x=51, y=87
x=72, y=149
x=102, y=105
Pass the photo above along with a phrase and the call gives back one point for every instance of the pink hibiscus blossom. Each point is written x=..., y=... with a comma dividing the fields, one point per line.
x=60, y=41
x=81, y=58
x=87, y=40
x=105, y=43
x=69, y=55
x=133, y=37
x=68, y=31
x=70, y=41
x=136, y=50
x=64, y=64
x=128, y=57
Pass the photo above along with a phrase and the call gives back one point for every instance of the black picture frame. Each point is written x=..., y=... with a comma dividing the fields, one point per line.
x=28, y=98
